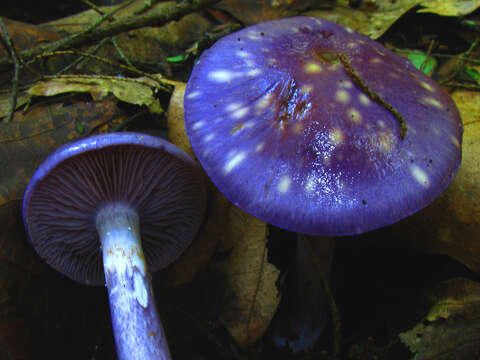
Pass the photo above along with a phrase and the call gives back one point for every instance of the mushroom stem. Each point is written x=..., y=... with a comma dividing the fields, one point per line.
x=137, y=328
x=305, y=310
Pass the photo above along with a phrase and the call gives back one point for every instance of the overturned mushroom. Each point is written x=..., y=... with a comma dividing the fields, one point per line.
x=317, y=129
x=134, y=201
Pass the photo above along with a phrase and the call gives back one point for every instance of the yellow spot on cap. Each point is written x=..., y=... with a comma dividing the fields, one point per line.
x=354, y=115
x=346, y=84
x=376, y=60
x=284, y=184
x=306, y=88
x=427, y=86
x=264, y=101
x=259, y=146
x=385, y=141
x=243, y=54
x=233, y=162
x=455, y=141
x=233, y=106
x=208, y=137
x=432, y=101
x=298, y=127
x=254, y=72
x=336, y=136
x=342, y=96
x=194, y=94
x=313, y=68
x=221, y=76
x=420, y=176
x=198, y=125
x=364, y=99
x=239, y=113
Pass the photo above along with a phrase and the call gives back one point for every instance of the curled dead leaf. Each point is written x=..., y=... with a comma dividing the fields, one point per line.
x=451, y=329
x=451, y=224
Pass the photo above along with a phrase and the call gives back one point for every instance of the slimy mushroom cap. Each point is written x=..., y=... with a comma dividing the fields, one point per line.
x=280, y=121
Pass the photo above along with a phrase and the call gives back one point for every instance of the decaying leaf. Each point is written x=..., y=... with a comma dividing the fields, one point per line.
x=370, y=23
x=176, y=123
x=253, y=11
x=451, y=224
x=449, y=7
x=375, y=23
x=251, y=278
x=24, y=143
x=198, y=255
x=140, y=91
x=31, y=136
x=26, y=36
x=228, y=230
x=146, y=48
x=451, y=329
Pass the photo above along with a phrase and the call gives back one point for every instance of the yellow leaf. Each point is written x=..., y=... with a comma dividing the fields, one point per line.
x=140, y=91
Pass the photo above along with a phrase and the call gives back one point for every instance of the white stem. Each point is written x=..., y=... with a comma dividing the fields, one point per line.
x=136, y=324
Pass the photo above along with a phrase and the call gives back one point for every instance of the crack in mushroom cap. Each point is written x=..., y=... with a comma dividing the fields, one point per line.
x=285, y=133
x=154, y=177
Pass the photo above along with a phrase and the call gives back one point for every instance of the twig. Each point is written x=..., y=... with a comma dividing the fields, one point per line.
x=82, y=61
x=162, y=86
x=427, y=56
x=7, y=40
x=96, y=33
x=121, y=53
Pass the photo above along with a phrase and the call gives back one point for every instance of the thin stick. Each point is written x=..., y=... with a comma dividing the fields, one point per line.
x=172, y=12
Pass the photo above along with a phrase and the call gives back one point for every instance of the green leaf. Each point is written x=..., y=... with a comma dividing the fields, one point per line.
x=474, y=74
x=422, y=62
x=176, y=59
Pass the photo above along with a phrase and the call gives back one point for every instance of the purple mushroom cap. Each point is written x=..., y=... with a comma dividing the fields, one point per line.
x=284, y=129
x=150, y=175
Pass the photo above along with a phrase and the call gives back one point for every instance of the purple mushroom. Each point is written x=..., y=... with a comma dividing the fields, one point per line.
x=131, y=200
x=317, y=129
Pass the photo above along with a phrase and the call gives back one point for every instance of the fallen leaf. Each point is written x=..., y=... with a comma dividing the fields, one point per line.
x=25, y=36
x=451, y=224
x=146, y=48
x=451, y=329
x=140, y=91
x=370, y=23
x=375, y=23
x=253, y=11
x=250, y=277
x=449, y=7
x=24, y=143
x=175, y=120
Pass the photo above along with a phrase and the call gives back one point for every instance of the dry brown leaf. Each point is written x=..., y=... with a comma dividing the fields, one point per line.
x=146, y=48
x=176, y=123
x=198, y=255
x=254, y=11
x=25, y=36
x=370, y=23
x=451, y=224
x=374, y=23
x=451, y=329
x=140, y=91
x=251, y=278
